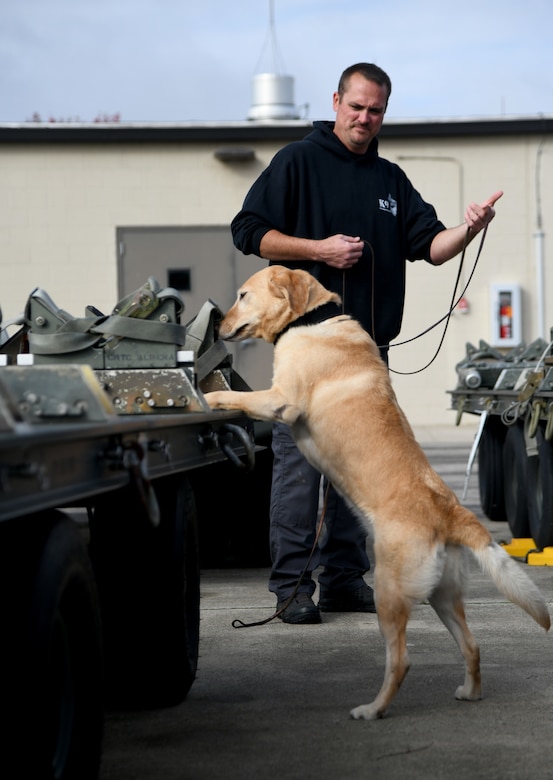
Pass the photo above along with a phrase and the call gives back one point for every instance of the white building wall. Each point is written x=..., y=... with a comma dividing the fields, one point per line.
x=60, y=206
x=508, y=256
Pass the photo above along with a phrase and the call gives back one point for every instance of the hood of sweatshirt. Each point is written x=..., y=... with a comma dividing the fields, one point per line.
x=323, y=135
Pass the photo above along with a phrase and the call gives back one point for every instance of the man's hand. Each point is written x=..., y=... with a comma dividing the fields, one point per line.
x=478, y=216
x=450, y=242
x=340, y=251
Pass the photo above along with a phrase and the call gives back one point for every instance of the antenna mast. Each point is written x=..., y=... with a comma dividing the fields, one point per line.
x=276, y=61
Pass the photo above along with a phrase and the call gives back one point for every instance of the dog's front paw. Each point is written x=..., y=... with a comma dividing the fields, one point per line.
x=215, y=400
x=366, y=712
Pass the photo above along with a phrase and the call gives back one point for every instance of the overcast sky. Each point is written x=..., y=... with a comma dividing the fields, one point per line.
x=194, y=60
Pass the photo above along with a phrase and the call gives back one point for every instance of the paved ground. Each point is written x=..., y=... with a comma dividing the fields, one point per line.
x=272, y=702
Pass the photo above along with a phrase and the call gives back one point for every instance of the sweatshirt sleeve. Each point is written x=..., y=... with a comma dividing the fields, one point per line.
x=421, y=224
x=266, y=206
x=248, y=229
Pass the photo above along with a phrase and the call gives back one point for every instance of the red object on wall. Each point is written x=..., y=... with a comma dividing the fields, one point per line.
x=463, y=307
x=505, y=316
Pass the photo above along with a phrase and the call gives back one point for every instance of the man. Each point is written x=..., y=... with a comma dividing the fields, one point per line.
x=330, y=205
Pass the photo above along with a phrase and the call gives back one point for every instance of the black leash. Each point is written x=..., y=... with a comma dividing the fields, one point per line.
x=240, y=624
x=446, y=317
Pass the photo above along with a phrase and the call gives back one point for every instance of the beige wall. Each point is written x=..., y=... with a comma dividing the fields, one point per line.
x=60, y=207
x=508, y=256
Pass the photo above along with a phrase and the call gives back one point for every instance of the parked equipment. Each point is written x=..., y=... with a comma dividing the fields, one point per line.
x=512, y=393
x=110, y=461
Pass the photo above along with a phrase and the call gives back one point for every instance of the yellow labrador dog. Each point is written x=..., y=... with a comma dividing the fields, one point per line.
x=331, y=386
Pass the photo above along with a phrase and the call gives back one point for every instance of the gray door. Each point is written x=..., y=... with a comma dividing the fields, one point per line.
x=201, y=263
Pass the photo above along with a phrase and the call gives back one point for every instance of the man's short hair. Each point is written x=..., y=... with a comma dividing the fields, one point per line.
x=369, y=71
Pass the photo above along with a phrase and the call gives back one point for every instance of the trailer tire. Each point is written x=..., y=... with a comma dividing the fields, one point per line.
x=491, y=482
x=149, y=584
x=176, y=608
x=515, y=468
x=55, y=690
x=540, y=492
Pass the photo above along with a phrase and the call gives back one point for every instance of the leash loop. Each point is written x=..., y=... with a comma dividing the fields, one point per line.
x=453, y=304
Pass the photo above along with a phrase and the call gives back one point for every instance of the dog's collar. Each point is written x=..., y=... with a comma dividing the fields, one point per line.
x=320, y=314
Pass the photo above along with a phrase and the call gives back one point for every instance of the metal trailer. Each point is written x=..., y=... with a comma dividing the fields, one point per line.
x=512, y=392
x=108, y=454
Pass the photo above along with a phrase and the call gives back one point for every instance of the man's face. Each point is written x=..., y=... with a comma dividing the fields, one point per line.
x=360, y=112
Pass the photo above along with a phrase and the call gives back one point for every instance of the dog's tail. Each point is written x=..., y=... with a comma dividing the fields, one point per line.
x=506, y=573
x=513, y=582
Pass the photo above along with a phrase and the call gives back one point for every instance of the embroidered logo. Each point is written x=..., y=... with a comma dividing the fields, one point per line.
x=388, y=204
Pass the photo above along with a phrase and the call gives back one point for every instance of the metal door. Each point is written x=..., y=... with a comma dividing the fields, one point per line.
x=201, y=263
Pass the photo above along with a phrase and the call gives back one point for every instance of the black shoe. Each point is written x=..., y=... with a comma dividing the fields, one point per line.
x=358, y=600
x=300, y=610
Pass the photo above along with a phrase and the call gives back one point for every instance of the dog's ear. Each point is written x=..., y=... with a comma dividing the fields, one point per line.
x=302, y=291
x=279, y=280
x=317, y=295
x=293, y=286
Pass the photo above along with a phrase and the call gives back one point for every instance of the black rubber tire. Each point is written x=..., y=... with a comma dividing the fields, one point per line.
x=540, y=492
x=176, y=606
x=149, y=584
x=515, y=469
x=490, y=469
x=55, y=690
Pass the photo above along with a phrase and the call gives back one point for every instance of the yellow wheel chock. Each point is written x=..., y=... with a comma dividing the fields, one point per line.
x=519, y=548
x=526, y=548
x=540, y=557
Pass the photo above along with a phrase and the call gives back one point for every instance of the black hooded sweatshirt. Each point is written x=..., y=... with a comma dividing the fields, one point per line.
x=316, y=188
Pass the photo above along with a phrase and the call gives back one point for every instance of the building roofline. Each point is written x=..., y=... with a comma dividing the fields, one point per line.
x=279, y=130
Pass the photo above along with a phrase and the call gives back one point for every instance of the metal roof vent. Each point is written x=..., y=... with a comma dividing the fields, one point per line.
x=273, y=97
x=272, y=93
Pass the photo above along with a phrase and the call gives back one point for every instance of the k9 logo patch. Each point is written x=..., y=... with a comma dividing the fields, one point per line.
x=388, y=204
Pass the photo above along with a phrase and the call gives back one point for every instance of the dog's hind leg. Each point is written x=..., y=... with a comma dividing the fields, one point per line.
x=393, y=614
x=447, y=601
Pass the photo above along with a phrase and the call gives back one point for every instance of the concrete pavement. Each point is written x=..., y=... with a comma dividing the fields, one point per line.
x=273, y=701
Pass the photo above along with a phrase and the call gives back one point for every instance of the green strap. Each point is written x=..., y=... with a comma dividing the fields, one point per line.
x=72, y=336
x=79, y=333
x=143, y=330
x=201, y=331
x=210, y=359
x=201, y=337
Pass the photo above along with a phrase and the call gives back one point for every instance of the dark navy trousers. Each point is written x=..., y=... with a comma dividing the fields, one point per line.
x=294, y=514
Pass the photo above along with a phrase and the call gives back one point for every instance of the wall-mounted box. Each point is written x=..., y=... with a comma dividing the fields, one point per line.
x=505, y=315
